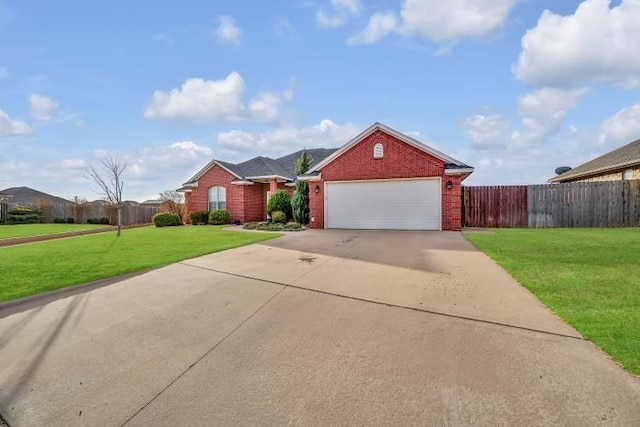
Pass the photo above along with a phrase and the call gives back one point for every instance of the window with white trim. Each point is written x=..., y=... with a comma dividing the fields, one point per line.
x=217, y=198
x=378, y=151
x=627, y=175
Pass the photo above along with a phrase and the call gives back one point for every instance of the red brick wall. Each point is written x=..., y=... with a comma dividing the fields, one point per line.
x=198, y=199
x=255, y=203
x=400, y=160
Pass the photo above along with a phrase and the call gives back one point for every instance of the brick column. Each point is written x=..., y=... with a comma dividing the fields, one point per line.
x=273, y=186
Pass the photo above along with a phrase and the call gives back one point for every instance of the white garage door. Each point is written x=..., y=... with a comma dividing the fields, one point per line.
x=395, y=204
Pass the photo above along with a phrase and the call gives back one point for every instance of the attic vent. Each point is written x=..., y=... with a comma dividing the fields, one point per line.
x=378, y=151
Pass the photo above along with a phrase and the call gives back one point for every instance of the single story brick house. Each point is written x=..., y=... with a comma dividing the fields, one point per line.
x=618, y=165
x=381, y=179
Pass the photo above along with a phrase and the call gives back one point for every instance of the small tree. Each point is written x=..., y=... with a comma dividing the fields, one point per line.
x=300, y=199
x=173, y=201
x=280, y=201
x=109, y=179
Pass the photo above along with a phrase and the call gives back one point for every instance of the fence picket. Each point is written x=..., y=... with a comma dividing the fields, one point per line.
x=582, y=204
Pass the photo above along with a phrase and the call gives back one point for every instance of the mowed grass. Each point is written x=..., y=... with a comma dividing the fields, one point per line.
x=39, y=267
x=589, y=277
x=25, y=230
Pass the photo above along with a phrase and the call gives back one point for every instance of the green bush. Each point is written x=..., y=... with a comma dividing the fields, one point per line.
x=24, y=215
x=103, y=220
x=280, y=201
x=166, y=219
x=59, y=221
x=70, y=220
x=199, y=217
x=278, y=217
x=219, y=217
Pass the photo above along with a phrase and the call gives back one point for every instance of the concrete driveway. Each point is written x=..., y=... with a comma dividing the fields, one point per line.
x=315, y=328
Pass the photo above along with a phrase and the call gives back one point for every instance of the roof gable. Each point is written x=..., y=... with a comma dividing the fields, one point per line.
x=404, y=138
x=627, y=155
x=283, y=167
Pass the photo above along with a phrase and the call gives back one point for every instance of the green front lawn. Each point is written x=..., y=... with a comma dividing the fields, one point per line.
x=589, y=276
x=25, y=230
x=38, y=267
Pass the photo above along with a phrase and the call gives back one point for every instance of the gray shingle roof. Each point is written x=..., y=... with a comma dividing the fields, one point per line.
x=27, y=196
x=625, y=156
x=264, y=166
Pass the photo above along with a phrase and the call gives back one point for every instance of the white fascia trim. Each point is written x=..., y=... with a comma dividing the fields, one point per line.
x=290, y=184
x=284, y=178
x=379, y=126
x=184, y=190
x=310, y=178
x=244, y=182
x=458, y=171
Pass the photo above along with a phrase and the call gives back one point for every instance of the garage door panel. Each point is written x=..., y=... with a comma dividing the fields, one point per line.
x=394, y=204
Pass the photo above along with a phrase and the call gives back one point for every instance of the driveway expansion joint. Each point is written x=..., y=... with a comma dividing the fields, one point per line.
x=420, y=310
x=199, y=359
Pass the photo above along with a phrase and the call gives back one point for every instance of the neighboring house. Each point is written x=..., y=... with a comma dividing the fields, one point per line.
x=617, y=165
x=26, y=196
x=381, y=179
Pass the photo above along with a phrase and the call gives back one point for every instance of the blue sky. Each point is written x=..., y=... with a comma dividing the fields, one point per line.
x=513, y=88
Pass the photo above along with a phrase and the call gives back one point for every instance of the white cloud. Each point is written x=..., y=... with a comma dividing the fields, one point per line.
x=488, y=131
x=191, y=149
x=379, y=26
x=4, y=73
x=342, y=10
x=286, y=139
x=438, y=21
x=11, y=127
x=454, y=19
x=227, y=31
x=622, y=128
x=543, y=112
x=43, y=108
x=72, y=164
x=200, y=100
x=203, y=101
x=595, y=44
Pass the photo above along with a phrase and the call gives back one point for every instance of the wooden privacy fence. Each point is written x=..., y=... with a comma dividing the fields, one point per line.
x=581, y=204
x=131, y=213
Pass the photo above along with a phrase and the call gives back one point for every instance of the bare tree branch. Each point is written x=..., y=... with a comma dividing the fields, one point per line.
x=109, y=179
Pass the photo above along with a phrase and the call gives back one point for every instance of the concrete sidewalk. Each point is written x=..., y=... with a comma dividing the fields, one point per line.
x=313, y=328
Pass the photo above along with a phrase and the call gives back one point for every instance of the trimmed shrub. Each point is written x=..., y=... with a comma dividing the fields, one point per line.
x=103, y=220
x=59, y=221
x=278, y=217
x=24, y=215
x=70, y=221
x=280, y=201
x=166, y=219
x=221, y=216
x=199, y=217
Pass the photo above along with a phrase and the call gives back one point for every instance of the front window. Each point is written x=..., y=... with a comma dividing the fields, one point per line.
x=217, y=198
x=627, y=175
